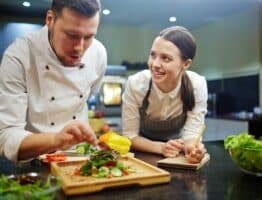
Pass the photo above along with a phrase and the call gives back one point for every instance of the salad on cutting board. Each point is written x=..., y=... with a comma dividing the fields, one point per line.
x=104, y=164
x=108, y=141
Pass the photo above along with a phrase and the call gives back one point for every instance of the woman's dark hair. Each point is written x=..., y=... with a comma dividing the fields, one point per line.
x=182, y=38
x=186, y=43
x=87, y=8
x=187, y=93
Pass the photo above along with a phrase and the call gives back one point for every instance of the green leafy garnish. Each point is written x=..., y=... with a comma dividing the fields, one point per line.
x=97, y=160
x=86, y=148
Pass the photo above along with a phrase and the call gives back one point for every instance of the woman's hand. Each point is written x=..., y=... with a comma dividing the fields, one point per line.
x=193, y=153
x=74, y=133
x=172, y=148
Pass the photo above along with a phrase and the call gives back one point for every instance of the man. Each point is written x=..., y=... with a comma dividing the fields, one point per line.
x=46, y=79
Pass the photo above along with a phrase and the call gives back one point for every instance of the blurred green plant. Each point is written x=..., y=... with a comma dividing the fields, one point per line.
x=21, y=188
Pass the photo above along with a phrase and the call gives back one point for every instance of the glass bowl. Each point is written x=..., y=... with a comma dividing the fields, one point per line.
x=29, y=186
x=249, y=160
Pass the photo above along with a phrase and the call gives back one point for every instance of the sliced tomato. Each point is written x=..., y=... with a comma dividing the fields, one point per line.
x=57, y=159
x=51, y=155
x=125, y=172
x=110, y=164
x=77, y=171
x=54, y=157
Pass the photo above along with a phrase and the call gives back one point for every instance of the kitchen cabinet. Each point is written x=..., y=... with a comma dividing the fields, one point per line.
x=218, y=129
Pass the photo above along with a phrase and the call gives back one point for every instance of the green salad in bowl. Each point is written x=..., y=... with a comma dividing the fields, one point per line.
x=246, y=152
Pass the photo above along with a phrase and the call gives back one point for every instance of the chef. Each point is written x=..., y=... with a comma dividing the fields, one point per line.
x=46, y=78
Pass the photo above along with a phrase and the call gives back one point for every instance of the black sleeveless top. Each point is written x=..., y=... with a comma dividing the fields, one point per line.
x=161, y=130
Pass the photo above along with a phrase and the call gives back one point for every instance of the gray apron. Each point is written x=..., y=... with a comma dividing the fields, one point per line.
x=160, y=130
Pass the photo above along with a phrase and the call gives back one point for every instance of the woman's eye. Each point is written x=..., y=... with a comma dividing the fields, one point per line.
x=152, y=54
x=166, y=59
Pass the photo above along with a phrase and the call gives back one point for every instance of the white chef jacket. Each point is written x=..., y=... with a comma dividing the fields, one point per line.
x=39, y=94
x=162, y=105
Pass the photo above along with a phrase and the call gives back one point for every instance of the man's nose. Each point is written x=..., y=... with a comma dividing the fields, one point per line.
x=79, y=45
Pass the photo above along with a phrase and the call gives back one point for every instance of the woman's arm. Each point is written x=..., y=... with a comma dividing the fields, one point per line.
x=196, y=117
x=171, y=148
x=143, y=144
x=195, y=121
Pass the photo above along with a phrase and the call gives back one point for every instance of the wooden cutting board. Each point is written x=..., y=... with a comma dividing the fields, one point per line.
x=145, y=174
x=182, y=162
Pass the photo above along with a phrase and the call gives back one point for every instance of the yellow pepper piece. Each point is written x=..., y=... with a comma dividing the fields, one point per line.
x=104, y=137
x=117, y=142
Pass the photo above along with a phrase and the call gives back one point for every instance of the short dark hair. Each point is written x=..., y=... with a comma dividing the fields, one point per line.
x=87, y=8
x=182, y=38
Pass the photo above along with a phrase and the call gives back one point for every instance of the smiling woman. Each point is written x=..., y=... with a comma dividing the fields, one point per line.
x=164, y=107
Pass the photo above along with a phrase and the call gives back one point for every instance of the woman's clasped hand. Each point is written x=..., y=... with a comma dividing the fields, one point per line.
x=193, y=153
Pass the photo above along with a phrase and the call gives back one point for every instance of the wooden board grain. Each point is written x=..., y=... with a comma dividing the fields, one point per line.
x=182, y=162
x=145, y=174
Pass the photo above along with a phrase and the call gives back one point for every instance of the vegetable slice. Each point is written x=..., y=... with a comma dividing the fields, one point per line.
x=116, y=172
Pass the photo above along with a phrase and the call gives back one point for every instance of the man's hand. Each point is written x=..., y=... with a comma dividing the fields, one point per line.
x=172, y=148
x=74, y=133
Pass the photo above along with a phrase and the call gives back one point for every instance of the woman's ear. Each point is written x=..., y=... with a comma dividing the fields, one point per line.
x=187, y=64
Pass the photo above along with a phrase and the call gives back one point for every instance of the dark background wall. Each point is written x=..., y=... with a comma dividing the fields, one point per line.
x=235, y=94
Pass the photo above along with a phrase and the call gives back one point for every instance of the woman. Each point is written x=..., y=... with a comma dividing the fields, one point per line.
x=164, y=107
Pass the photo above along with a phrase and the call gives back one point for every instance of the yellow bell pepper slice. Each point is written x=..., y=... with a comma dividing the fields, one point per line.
x=105, y=137
x=117, y=142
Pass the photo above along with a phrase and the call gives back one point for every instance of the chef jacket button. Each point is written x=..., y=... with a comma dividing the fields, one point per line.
x=74, y=117
x=52, y=123
x=81, y=66
x=47, y=67
x=81, y=96
x=52, y=98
